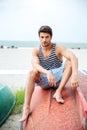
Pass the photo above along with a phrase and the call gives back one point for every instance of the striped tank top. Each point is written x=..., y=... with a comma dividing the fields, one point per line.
x=51, y=62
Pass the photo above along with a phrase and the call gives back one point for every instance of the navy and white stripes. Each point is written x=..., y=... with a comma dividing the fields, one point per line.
x=51, y=62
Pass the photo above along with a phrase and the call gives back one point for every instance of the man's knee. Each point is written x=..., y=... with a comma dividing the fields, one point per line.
x=33, y=73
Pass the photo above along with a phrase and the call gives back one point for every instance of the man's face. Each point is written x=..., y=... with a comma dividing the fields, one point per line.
x=45, y=39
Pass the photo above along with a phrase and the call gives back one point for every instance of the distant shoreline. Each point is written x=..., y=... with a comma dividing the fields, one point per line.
x=15, y=47
x=17, y=44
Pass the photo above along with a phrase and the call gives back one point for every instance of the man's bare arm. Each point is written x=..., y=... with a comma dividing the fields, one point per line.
x=74, y=63
x=71, y=57
x=36, y=63
x=37, y=67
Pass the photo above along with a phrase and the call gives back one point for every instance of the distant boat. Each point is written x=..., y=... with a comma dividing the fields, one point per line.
x=1, y=46
x=7, y=102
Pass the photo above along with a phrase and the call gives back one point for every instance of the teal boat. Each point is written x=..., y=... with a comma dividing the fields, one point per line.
x=7, y=102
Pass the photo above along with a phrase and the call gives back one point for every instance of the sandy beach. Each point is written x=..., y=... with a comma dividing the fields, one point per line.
x=20, y=59
x=16, y=63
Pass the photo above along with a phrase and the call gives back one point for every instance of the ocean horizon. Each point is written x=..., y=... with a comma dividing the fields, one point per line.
x=12, y=44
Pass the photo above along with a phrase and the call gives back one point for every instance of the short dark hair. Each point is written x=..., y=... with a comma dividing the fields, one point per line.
x=45, y=29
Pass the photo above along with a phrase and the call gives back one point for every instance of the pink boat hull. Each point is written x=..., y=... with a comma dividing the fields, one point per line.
x=47, y=114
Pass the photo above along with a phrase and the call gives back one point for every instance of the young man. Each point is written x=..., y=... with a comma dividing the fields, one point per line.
x=48, y=69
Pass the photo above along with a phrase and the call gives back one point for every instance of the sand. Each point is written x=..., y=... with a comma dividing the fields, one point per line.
x=20, y=59
x=16, y=63
x=12, y=123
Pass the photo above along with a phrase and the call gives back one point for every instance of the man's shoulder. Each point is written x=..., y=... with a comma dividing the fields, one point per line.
x=35, y=50
x=59, y=48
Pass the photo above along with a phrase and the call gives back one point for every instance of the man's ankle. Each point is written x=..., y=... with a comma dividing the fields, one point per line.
x=26, y=107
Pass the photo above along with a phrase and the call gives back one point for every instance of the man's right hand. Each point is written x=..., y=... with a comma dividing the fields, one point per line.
x=25, y=115
x=51, y=79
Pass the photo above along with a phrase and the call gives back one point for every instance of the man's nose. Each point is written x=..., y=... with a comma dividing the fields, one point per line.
x=44, y=39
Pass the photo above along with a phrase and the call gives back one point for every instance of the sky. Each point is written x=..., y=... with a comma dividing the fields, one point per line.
x=21, y=19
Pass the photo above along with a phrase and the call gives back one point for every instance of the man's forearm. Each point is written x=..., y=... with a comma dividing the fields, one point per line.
x=74, y=62
x=40, y=69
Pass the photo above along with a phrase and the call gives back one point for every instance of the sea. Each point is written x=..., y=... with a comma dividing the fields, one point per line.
x=16, y=44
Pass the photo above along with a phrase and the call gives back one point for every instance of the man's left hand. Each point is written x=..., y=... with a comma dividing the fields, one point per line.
x=74, y=81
